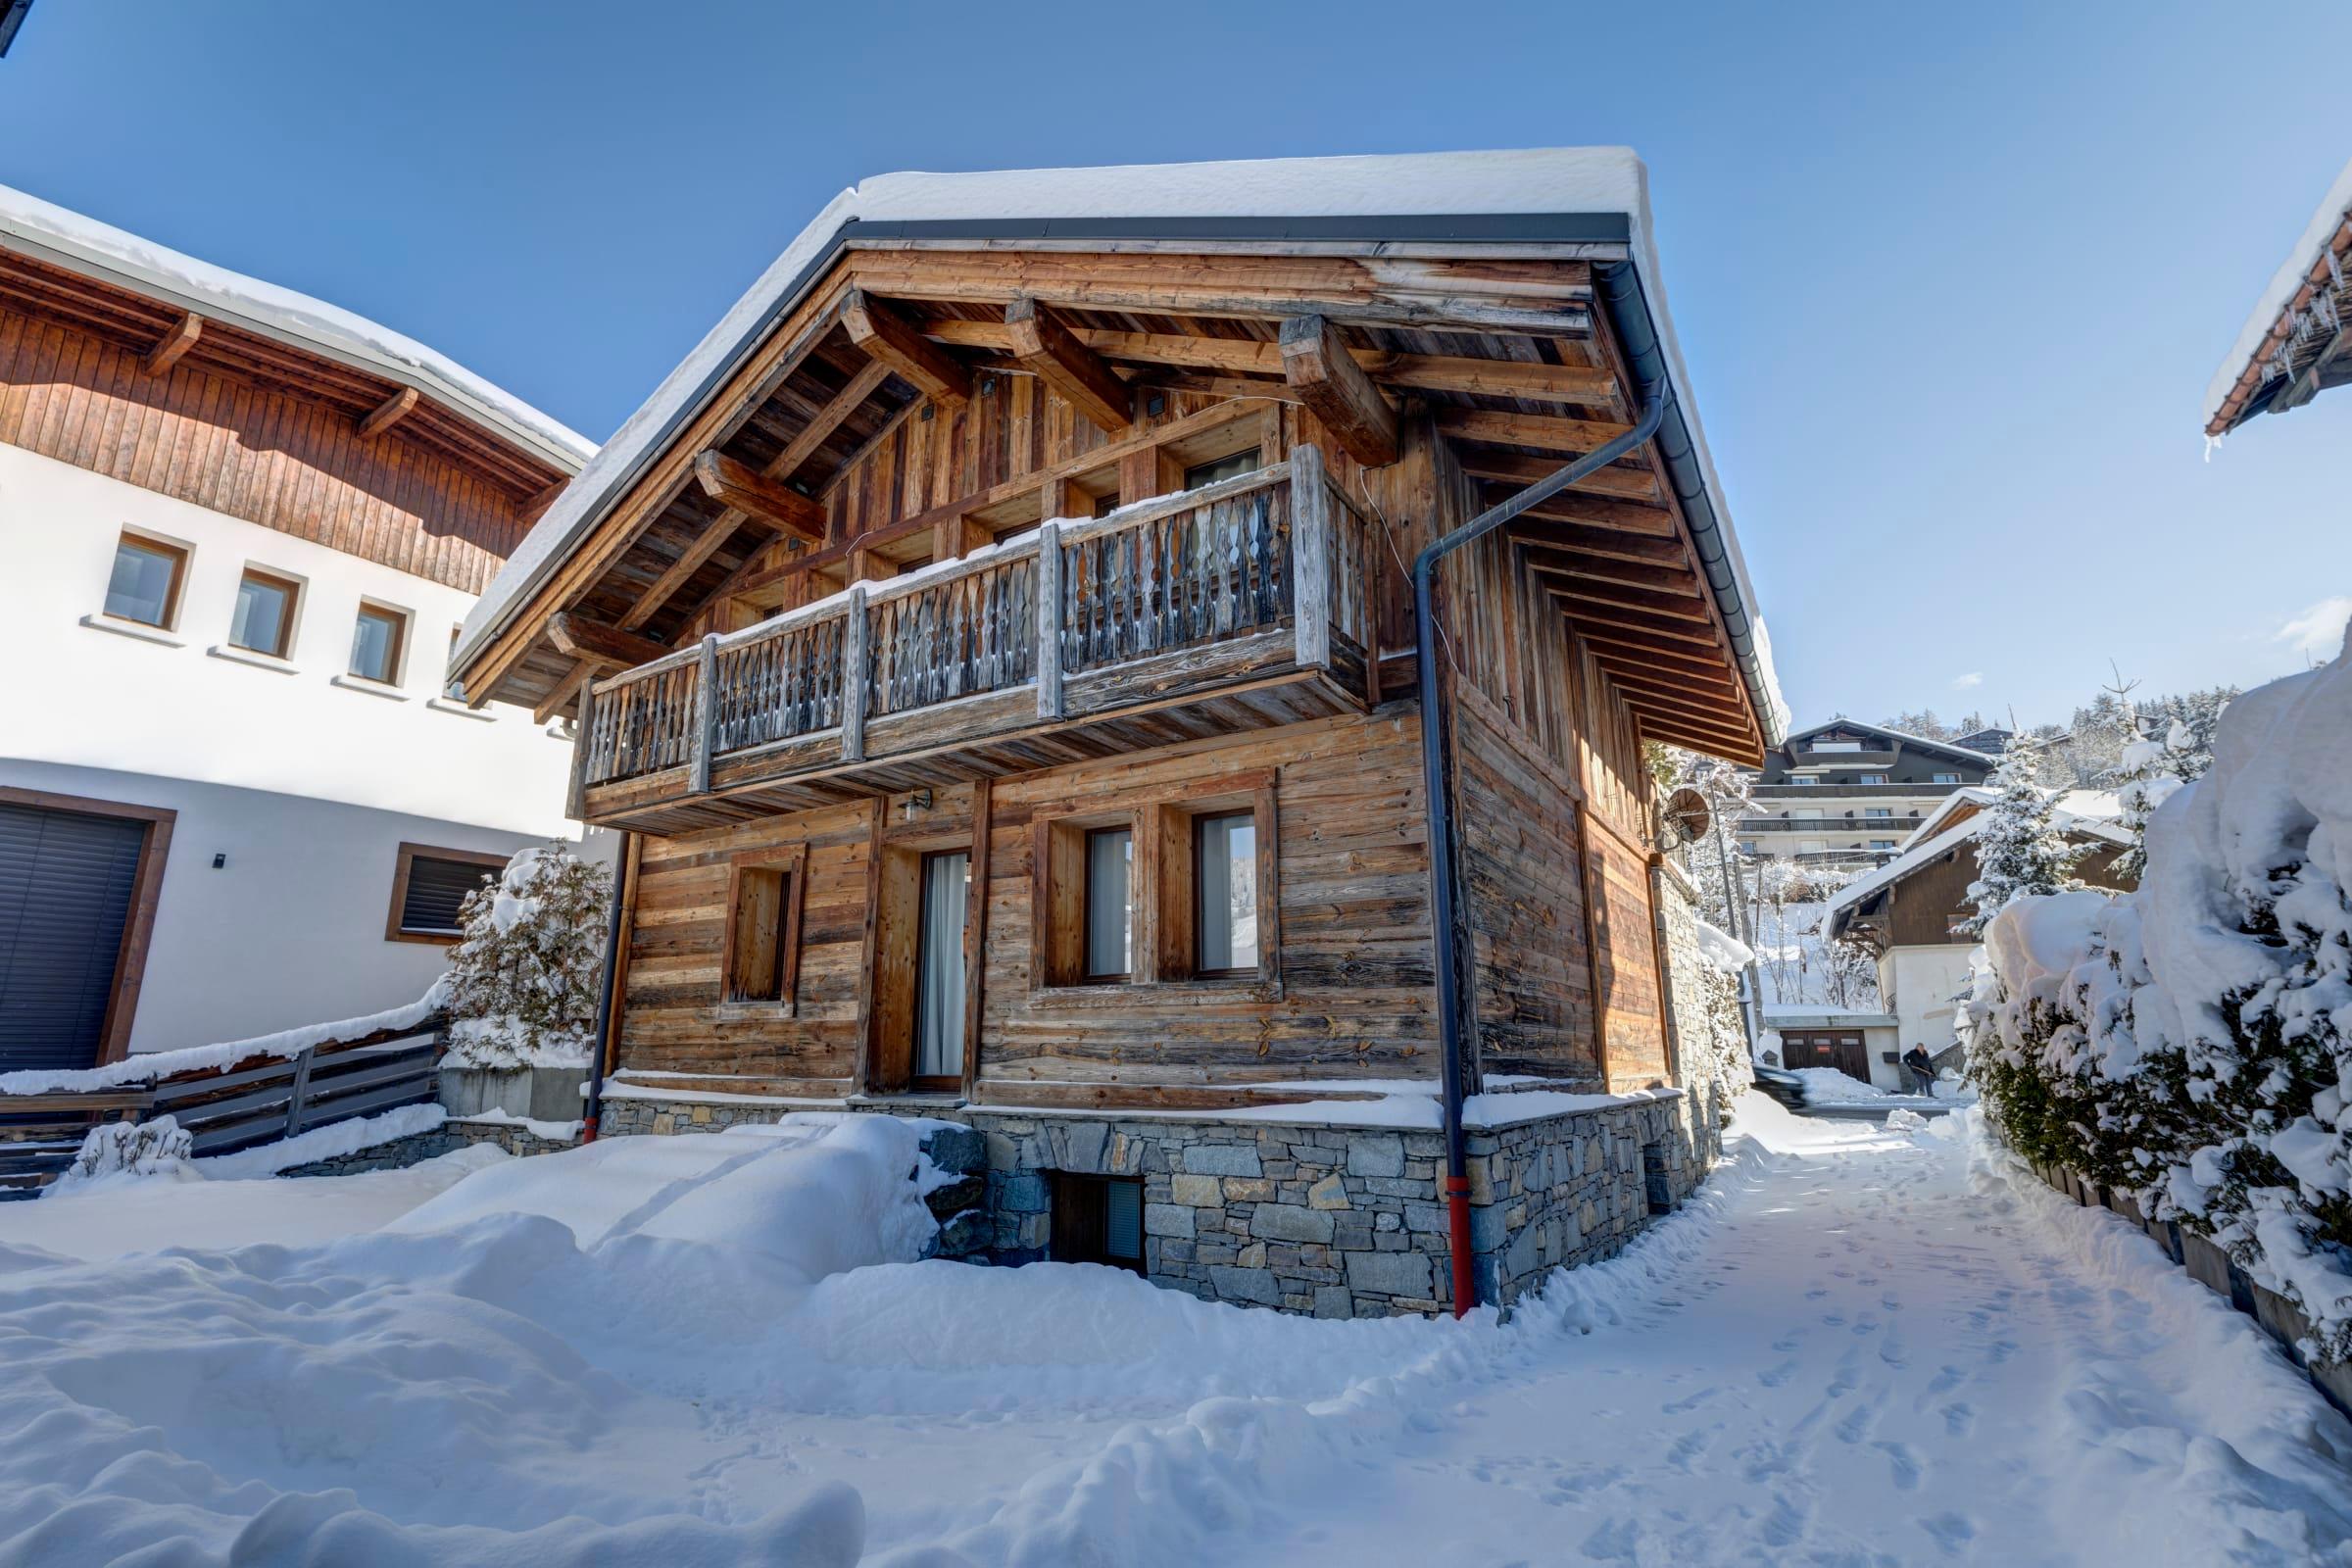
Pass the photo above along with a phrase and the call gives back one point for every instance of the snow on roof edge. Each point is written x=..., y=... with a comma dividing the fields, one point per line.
x=2325, y=220
x=1917, y=851
x=85, y=245
x=1532, y=180
x=1900, y=734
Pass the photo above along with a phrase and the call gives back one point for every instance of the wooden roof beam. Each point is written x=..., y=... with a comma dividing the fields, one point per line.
x=1628, y=671
x=565, y=690
x=389, y=413
x=748, y=490
x=1519, y=471
x=888, y=338
x=1670, y=606
x=1603, y=568
x=1543, y=431
x=1713, y=743
x=175, y=343
x=536, y=507
x=1630, y=625
x=1727, y=726
x=1338, y=392
x=1568, y=538
x=1591, y=511
x=1608, y=642
x=1045, y=347
x=1701, y=704
x=595, y=642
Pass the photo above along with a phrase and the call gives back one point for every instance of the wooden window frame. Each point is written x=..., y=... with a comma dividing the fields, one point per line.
x=893, y=945
x=1193, y=823
x=181, y=553
x=792, y=863
x=1161, y=890
x=146, y=889
x=293, y=587
x=1064, y=1188
x=394, y=931
x=400, y=641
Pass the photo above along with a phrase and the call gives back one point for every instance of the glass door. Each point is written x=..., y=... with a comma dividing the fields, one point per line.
x=939, y=971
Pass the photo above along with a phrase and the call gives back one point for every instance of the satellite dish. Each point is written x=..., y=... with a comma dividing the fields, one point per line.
x=1685, y=817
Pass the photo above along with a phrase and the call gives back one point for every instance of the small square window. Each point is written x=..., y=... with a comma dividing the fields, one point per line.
x=375, y=642
x=430, y=886
x=264, y=619
x=1232, y=467
x=1097, y=1219
x=145, y=583
x=762, y=935
x=1109, y=904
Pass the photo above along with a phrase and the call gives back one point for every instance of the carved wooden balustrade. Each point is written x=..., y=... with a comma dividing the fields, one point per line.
x=1261, y=581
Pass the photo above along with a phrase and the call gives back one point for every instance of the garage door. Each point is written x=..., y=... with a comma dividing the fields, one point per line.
x=66, y=883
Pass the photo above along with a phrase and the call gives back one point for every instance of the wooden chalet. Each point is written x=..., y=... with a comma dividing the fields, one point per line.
x=997, y=641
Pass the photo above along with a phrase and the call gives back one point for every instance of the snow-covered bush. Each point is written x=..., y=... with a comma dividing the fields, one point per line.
x=2190, y=1043
x=157, y=1147
x=1722, y=1055
x=523, y=982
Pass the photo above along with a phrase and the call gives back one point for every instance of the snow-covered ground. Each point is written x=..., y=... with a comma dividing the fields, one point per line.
x=1855, y=1347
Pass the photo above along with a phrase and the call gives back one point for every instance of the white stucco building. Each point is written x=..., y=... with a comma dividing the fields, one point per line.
x=238, y=530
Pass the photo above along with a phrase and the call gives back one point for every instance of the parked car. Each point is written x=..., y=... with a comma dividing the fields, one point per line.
x=1783, y=1086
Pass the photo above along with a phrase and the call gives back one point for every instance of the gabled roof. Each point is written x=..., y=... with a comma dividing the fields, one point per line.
x=1905, y=736
x=90, y=249
x=1939, y=833
x=2291, y=345
x=1418, y=204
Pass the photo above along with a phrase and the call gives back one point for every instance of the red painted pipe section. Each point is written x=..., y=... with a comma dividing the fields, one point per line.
x=1457, y=1224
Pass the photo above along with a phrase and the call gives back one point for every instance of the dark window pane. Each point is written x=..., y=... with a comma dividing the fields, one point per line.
x=1123, y=1220
x=435, y=890
x=264, y=606
x=375, y=646
x=1233, y=468
x=140, y=588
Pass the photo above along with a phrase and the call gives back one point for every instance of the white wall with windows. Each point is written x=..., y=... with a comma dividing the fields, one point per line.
x=285, y=699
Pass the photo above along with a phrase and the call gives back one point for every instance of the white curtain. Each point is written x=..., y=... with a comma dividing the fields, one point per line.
x=1110, y=907
x=1226, y=881
x=939, y=968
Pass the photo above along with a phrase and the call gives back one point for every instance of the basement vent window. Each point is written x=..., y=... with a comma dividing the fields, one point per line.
x=1654, y=1184
x=1098, y=1219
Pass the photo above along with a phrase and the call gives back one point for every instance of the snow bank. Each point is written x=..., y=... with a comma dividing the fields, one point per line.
x=329, y=1141
x=155, y=1064
x=2190, y=1043
x=1725, y=953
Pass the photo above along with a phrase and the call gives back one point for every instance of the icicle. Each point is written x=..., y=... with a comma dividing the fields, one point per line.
x=2212, y=444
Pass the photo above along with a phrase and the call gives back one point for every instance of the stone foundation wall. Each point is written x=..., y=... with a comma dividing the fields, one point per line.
x=1702, y=1003
x=1308, y=1218
x=417, y=1148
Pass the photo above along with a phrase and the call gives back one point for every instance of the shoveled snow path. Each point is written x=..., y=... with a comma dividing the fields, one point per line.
x=1877, y=1361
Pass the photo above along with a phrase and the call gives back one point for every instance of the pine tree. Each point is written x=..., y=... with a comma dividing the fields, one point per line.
x=2019, y=850
x=523, y=982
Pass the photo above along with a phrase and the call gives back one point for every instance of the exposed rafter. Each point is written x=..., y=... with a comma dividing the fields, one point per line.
x=389, y=413
x=175, y=343
x=888, y=338
x=1568, y=536
x=1316, y=364
x=1595, y=512
x=1606, y=568
x=1583, y=591
x=1518, y=470
x=1042, y=345
x=592, y=641
x=1541, y=431
x=565, y=690
x=536, y=507
x=748, y=490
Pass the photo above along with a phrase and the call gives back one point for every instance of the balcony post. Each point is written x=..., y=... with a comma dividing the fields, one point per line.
x=852, y=679
x=583, y=740
x=705, y=712
x=1310, y=556
x=1048, y=621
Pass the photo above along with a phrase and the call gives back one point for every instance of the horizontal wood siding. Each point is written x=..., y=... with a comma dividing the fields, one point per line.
x=268, y=456
x=1624, y=974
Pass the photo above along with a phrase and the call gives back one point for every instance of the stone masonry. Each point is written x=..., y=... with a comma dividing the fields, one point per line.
x=513, y=1137
x=1332, y=1221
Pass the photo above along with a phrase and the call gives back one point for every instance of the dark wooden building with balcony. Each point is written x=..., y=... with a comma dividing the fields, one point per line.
x=998, y=642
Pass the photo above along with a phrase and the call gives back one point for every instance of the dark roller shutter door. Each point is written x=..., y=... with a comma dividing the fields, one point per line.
x=66, y=883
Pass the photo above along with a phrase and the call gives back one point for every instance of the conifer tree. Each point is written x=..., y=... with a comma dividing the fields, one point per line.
x=2019, y=849
x=523, y=982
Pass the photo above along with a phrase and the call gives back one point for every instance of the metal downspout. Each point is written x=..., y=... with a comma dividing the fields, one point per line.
x=605, y=999
x=1440, y=811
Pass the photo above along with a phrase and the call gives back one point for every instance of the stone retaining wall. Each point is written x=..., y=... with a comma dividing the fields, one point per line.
x=1306, y=1217
x=400, y=1152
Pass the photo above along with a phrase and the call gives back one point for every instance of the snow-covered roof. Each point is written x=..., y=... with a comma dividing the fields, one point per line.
x=1947, y=747
x=1093, y=204
x=92, y=249
x=2257, y=338
x=2072, y=811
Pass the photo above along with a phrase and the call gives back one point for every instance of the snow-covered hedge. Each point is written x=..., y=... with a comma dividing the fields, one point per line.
x=2191, y=1043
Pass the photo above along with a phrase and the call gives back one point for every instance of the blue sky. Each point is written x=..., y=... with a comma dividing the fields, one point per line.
x=1950, y=281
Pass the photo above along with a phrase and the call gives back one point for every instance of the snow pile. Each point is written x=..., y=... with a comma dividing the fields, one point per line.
x=522, y=983
x=2191, y=1043
x=330, y=1142
x=1901, y=1119
x=1726, y=954
x=1827, y=1085
x=158, y=1064
x=157, y=1147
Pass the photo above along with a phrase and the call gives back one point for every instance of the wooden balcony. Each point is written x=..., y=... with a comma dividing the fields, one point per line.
x=1238, y=605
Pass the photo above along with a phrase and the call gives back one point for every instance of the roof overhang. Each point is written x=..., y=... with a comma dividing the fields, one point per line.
x=1589, y=204
x=2297, y=341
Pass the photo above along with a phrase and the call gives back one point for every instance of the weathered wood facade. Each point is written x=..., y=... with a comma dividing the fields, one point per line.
x=981, y=549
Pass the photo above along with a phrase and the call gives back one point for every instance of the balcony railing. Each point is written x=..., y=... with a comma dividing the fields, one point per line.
x=1837, y=791
x=1884, y=826
x=1268, y=573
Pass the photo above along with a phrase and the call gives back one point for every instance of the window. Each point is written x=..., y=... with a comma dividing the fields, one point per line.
x=1105, y=505
x=1097, y=1219
x=1878, y=810
x=1173, y=888
x=1806, y=780
x=1224, y=894
x=145, y=584
x=1872, y=778
x=1946, y=778
x=428, y=887
x=375, y=642
x=1747, y=846
x=264, y=619
x=1110, y=903
x=762, y=940
x=939, y=969
x=1232, y=467
x=1882, y=844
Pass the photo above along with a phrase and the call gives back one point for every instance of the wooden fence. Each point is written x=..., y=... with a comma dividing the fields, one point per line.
x=258, y=1099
